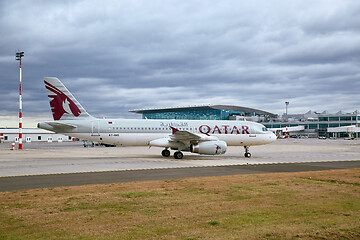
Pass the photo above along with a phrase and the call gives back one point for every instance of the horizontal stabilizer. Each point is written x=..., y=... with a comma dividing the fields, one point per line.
x=56, y=126
x=61, y=125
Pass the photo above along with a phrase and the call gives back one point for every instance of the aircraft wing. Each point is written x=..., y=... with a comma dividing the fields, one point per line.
x=178, y=135
x=186, y=137
x=181, y=139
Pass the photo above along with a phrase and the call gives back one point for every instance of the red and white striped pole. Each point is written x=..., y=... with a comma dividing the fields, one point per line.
x=19, y=55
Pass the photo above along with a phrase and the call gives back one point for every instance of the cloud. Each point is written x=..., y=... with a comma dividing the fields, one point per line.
x=336, y=48
x=120, y=55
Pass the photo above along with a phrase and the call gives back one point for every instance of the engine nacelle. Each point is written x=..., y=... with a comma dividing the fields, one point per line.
x=209, y=147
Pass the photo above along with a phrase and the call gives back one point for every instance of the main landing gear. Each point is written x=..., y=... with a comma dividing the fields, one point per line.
x=165, y=153
x=247, y=153
x=177, y=155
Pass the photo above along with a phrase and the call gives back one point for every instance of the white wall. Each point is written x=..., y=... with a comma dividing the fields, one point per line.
x=34, y=137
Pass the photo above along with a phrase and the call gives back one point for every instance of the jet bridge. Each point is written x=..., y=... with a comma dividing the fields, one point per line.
x=350, y=130
x=286, y=130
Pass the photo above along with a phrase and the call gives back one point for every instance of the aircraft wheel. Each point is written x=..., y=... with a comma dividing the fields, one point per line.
x=247, y=155
x=165, y=153
x=178, y=155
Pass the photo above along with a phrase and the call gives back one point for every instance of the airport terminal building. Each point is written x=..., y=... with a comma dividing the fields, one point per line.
x=203, y=112
x=324, y=124
x=310, y=124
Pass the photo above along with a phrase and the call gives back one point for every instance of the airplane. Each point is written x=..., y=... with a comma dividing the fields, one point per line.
x=209, y=137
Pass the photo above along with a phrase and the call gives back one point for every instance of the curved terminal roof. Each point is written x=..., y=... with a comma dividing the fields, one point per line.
x=204, y=107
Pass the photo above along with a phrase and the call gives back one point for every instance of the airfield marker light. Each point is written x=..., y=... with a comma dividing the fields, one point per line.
x=19, y=55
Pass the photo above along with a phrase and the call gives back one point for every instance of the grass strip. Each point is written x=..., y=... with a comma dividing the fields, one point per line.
x=308, y=205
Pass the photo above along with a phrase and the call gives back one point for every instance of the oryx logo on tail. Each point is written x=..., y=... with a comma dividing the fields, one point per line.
x=60, y=103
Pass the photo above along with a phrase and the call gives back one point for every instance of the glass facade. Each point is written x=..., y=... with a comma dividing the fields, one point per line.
x=345, y=118
x=323, y=126
x=204, y=114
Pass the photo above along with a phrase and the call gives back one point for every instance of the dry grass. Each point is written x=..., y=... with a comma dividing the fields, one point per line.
x=310, y=205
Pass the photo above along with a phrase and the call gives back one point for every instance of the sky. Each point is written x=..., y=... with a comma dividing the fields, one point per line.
x=115, y=56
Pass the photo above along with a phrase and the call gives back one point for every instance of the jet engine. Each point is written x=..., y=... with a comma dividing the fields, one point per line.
x=209, y=147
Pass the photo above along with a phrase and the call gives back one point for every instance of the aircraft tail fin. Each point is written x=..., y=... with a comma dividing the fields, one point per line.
x=63, y=104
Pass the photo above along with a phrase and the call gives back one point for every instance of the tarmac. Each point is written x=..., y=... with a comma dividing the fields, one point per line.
x=69, y=163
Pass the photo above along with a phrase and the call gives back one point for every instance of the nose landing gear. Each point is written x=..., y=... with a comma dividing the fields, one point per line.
x=247, y=154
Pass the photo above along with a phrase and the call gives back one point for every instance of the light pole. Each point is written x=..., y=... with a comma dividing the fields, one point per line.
x=286, y=112
x=19, y=55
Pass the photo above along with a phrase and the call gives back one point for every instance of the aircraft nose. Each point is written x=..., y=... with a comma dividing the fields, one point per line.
x=272, y=138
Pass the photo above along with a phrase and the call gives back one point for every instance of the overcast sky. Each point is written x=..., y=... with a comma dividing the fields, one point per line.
x=115, y=56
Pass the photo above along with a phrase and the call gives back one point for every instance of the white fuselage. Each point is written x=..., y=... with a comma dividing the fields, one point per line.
x=139, y=132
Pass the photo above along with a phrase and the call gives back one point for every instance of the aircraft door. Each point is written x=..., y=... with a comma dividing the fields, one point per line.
x=95, y=128
x=252, y=131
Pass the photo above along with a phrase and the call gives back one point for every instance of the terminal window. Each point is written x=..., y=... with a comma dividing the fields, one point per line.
x=346, y=118
x=333, y=118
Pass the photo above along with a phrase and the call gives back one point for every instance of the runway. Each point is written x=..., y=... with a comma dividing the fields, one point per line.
x=42, y=165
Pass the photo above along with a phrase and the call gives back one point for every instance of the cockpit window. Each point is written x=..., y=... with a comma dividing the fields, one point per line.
x=264, y=129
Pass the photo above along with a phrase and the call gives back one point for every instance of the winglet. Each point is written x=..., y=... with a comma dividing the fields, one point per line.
x=174, y=130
